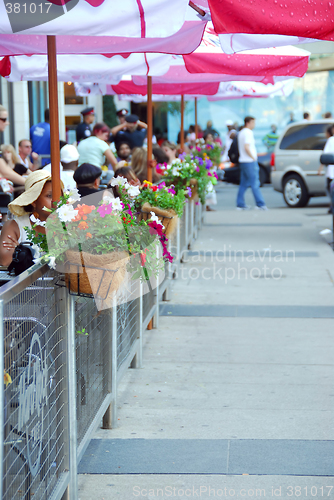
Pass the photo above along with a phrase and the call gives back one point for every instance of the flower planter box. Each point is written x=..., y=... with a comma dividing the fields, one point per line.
x=98, y=275
x=167, y=217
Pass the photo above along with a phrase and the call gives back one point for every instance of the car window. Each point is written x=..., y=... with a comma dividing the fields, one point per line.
x=305, y=137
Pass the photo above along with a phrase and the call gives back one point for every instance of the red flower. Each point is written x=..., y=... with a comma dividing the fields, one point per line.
x=143, y=258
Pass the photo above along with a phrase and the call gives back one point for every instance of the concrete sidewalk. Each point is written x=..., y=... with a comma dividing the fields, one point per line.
x=236, y=393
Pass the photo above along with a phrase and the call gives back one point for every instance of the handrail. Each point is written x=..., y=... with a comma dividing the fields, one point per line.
x=15, y=286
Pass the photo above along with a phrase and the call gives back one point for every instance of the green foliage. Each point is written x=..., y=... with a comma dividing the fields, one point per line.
x=109, y=111
x=163, y=197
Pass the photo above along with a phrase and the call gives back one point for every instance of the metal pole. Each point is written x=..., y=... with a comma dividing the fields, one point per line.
x=114, y=362
x=196, y=124
x=54, y=121
x=72, y=407
x=182, y=124
x=149, y=129
x=140, y=351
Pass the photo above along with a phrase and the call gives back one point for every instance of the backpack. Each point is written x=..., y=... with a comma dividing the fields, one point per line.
x=233, y=152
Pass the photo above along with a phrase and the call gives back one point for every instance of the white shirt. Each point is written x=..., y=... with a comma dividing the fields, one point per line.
x=65, y=175
x=92, y=151
x=246, y=136
x=329, y=148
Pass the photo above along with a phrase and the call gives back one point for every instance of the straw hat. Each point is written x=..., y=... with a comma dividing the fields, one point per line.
x=33, y=188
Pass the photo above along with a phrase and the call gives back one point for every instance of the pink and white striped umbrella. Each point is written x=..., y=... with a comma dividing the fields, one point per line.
x=167, y=36
x=230, y=90
x=245, y=24
x=85, y=68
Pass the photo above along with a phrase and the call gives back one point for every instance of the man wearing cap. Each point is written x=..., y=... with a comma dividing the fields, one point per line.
x=69, y=159
x=121, y=115
x=230, y=135
x=83, y=130
x=129, y=132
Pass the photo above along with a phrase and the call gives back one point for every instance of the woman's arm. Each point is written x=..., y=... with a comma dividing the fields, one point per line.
x=111, y=158
x=8, y=173
x=9, y=239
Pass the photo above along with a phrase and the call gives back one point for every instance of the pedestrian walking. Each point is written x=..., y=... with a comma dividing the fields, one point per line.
x=271, y=138
x=249, y=167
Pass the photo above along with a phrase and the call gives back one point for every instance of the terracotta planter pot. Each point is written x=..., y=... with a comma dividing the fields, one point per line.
x=167, y=217
x=98, y=275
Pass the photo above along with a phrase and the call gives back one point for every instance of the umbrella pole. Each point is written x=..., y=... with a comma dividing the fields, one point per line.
x=196, y=124
x=54, y=123
x=182, y=124
x=149, y=129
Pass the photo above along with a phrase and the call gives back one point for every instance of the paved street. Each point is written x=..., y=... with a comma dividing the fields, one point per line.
x=236, y=396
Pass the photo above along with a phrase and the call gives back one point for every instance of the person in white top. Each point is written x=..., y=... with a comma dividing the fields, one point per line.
x=69, y=159
x=329, y=148
x=249, y=167
x=25, y=150
x=230, y=135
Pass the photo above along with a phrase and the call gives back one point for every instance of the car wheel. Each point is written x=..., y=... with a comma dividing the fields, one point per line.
x=295, y=192
x=262, y=176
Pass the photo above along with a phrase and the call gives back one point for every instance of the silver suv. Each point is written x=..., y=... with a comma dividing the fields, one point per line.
x=296, y=160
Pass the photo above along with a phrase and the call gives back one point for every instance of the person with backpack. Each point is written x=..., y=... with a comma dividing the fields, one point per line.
x=249, y=167
x=230, y=135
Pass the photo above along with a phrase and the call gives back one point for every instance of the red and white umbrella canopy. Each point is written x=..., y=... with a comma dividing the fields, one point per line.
x=246, y=24
x=164, y=35
x=128, y=18
x=192, y=88
x=85, y=68
x=230, y=90
x=239, y=90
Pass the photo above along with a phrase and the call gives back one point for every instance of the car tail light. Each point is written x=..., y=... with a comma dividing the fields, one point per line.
x=272, y=161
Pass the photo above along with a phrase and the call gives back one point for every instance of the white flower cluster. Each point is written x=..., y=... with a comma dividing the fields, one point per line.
x=36, y=221
x=156, y=219
x=133, y=191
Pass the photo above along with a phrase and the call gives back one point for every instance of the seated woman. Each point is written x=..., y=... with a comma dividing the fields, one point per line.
x=5, y=171
x=87, y=178
x=139, y=165
x=37, y=195
x=170, y=149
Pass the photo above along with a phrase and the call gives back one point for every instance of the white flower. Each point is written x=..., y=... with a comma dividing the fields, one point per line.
x=156, y=219
x=38, y=222
x=52, y=262
x=175, y=171
x=133, y=191
x=46, y=209
x=73, y=195
x=119, y=181
x=117, y=204
x=66, y=213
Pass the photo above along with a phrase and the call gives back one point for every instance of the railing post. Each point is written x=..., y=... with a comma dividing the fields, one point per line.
x=156, y=293
x=72, y=398
x=109, y=420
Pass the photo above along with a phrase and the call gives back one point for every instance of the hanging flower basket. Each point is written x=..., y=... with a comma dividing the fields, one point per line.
x=168, y=218
x=98, y=275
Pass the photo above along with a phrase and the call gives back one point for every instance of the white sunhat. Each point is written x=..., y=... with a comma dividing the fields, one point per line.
x=228, y=123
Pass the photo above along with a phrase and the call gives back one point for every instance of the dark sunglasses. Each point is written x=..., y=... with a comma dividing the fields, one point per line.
x=4, y=119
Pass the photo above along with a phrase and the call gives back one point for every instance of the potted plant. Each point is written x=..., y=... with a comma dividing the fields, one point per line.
x=98, y=243
x=189, y=172
x=164, y=201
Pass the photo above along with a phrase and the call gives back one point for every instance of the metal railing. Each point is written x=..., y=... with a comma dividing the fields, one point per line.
x=62, y=361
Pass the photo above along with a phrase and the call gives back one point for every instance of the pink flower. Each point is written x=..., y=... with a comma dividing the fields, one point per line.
x=104, y=210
